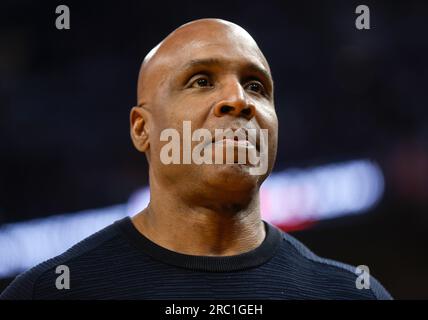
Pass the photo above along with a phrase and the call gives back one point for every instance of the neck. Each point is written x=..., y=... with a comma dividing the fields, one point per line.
x=223, y=229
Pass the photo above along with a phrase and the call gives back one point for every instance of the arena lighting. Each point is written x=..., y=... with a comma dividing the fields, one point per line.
x=290, y=199
x=294, y=197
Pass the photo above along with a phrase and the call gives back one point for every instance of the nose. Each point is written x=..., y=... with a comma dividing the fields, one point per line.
x=235, y=103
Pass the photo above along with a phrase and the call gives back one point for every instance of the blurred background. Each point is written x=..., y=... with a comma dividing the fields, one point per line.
x=351, y=177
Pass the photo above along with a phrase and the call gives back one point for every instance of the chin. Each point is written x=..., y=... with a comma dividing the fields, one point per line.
x=231, y=177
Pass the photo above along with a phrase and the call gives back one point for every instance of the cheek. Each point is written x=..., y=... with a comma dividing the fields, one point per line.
x=274, y=130
x=269, y=121
x=166, y=114
x=177, y=106
x=195, y=108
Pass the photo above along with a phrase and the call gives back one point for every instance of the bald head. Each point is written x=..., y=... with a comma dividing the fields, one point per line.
x=184, y=42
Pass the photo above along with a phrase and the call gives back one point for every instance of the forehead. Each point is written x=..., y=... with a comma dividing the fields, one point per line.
x=228, y=46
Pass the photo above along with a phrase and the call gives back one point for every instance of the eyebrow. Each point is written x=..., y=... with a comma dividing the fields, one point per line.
x=211, y=62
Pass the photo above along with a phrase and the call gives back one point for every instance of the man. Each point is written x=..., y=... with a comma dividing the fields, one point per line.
x=201, y=235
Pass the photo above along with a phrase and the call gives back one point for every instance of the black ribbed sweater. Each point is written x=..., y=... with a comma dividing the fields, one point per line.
x=118, y=262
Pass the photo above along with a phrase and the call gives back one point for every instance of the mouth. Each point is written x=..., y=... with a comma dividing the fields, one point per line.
x=235, y=142
x=239, y=138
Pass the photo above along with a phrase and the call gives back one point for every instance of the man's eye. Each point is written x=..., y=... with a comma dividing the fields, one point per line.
x=200, y=83
x=255, y=86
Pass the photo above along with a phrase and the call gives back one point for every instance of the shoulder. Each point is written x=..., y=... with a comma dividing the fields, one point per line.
x=332, y=279
x=24, y=285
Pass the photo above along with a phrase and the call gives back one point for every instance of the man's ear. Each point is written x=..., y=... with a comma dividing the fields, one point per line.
x=139, y=128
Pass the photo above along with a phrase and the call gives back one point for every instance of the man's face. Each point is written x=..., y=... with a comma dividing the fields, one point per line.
x=215, y=77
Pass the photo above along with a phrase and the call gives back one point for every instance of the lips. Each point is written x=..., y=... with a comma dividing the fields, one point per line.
x=236, y=143
x=243, y=138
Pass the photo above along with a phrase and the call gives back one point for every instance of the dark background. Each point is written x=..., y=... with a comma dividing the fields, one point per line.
x=341, y=94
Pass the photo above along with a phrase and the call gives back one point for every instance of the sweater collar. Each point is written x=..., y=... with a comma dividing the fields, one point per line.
x=256, y=257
